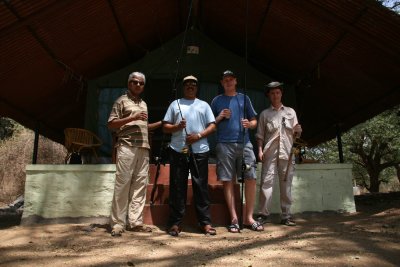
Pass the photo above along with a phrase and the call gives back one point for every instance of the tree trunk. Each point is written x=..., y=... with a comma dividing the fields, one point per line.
x=398, y=171
x=374, y=182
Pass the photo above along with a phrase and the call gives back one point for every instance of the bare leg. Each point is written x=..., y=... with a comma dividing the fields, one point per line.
x=250, y=192
x=230, y=199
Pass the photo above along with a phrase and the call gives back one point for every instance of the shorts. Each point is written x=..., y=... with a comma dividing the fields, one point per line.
x=229, y=161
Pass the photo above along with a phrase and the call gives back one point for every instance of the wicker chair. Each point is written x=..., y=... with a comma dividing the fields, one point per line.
x=78, y=140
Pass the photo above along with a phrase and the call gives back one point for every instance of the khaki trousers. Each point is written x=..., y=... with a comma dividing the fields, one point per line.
x=130, y=186
x=274, y=169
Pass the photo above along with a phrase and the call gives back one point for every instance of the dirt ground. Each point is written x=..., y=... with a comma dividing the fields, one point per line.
x=369, y=237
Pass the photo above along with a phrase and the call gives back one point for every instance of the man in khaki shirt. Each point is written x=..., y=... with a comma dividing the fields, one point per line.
x=276, y=131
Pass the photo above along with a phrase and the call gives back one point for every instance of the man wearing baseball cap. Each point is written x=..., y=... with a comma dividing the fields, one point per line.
x=189, y=120
x=277, y=129
x=232, y=124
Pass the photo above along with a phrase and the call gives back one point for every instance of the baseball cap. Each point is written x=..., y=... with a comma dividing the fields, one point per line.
x=228, y=73
x=189, y=78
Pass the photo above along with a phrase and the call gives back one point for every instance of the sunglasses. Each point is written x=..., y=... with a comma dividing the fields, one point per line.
x=136, y=82
x=190, y=84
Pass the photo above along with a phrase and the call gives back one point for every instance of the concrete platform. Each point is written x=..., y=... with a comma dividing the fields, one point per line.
x=83, y=193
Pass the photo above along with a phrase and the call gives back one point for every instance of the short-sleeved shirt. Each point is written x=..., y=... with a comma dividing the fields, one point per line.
x=231, y=130
x=275, y=129
x=134, y=133
x=198, y=116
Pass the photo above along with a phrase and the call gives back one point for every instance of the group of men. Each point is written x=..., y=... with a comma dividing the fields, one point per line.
x=190, y=120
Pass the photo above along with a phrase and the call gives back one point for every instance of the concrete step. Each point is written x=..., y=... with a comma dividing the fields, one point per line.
x=164, y=174
x=157, y=213
x=161, y=194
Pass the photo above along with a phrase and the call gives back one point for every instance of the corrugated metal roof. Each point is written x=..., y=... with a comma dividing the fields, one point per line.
x=338, y=53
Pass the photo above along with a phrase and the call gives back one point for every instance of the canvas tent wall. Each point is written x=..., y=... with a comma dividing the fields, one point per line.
x=200, y=57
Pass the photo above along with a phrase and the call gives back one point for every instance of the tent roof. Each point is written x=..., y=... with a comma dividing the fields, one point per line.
x=343, y=56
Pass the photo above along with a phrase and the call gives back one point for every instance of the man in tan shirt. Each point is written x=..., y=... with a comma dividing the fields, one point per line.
x=128, y=118
x=277, y=129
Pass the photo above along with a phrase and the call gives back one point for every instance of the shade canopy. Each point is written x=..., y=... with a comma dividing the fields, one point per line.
x=341, y=57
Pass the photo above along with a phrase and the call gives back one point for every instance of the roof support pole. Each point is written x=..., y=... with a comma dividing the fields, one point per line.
x=36, y=144
x=339, y=143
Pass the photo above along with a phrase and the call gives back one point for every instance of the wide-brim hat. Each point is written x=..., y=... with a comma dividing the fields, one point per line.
x=273, y=85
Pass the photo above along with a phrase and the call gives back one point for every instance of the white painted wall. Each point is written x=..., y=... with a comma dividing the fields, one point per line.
x=318, y=187
x=71, y=191
x=53, y=191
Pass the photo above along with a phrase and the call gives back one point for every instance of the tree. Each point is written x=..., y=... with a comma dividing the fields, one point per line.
x=376, y=143
x=373, y=148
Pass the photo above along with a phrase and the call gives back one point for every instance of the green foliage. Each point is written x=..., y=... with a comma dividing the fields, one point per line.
x=373, y=148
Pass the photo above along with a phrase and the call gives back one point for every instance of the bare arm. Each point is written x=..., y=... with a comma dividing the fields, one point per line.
x=297, y=130
x=225, y=113
x=171, y=128
x=154, y=125
x=118, y=123
x=251, y=124
x=260, y=149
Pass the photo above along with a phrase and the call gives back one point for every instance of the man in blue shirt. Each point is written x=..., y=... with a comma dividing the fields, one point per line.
x=232, y=123
x=189, y=120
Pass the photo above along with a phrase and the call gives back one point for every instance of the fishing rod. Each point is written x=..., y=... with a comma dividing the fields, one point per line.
x=174, y=95
x=244, y=165
x=175, y=89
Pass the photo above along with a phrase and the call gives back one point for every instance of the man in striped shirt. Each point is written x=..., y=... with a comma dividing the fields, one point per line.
x=128, y=118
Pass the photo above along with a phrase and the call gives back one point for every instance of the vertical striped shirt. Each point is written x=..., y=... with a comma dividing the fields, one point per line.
x=134, y=133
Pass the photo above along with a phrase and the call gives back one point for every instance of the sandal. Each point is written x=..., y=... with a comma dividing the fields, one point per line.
x=174, y=230
x=141, y=228
x=255, y=226
x=117, y=232
x=208, y=230
x=233, y=228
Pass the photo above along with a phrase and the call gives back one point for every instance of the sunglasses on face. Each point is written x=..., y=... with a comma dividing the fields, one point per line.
x=136, y=82
x=190, y=84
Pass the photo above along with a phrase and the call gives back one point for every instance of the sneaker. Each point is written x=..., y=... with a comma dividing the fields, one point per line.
x=262, y=219
x=288, y=222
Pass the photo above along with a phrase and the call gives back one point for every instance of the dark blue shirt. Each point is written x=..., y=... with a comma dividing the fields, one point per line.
x=231, y=130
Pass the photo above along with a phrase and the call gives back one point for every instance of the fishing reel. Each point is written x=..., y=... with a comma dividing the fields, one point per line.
x=246, y=167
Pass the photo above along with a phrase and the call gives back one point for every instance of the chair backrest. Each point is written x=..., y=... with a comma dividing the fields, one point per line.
x=81, y=136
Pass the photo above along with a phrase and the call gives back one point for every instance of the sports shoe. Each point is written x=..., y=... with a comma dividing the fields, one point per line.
x=288, y=222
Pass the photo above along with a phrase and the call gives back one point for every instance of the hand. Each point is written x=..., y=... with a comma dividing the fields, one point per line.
x=245, y=123
x=225, y=113
x=140, y=116
x=297, y=130
x=260, y=155
x=182, y=124
x=192, y=138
